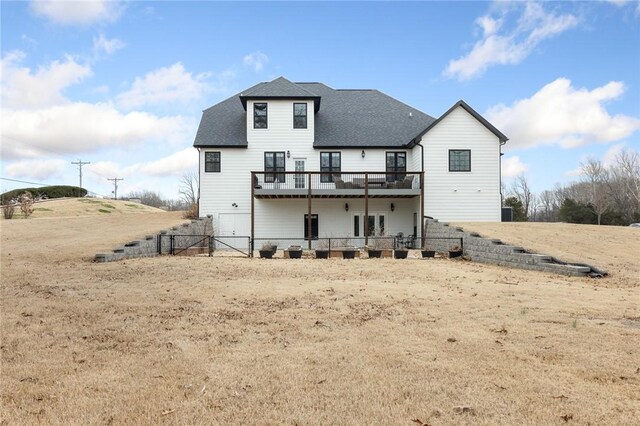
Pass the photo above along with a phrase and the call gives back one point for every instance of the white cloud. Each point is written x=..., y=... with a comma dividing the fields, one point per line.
x=38, y=120
x=563, y=115
x=36, y=169
x=101, y=44
x=78, y=12
x=99, y=171
x=83, y=127
x=165, y=85
x=512, y=167
x=256, y=60
x=618, y=3
x=533, y=26
x=28, y=40
x=22, y=88
x=609, y=157
x=175, y=164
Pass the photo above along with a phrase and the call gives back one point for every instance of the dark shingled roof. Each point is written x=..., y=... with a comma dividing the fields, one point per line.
x=280, y=88
x=364, y=118
x=347, y=119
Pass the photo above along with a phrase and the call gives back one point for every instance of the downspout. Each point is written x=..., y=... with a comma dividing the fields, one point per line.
x=500, y=176
x=198, y=199
x=423, y=228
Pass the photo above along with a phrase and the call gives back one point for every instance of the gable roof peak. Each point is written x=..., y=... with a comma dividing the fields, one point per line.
x=279, y=88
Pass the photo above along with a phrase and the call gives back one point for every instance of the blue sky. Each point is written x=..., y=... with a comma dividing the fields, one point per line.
x=123, y=84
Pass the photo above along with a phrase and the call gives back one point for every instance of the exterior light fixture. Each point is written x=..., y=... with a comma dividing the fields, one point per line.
x=288, y=154
x=234, y=205
x=393, y=207
x=346, y=207
x=362, y=153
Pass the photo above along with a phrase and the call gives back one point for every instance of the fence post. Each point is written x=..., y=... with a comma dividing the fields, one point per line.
x=329, y=248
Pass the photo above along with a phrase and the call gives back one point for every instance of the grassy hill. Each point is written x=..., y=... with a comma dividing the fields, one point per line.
x=74, y=207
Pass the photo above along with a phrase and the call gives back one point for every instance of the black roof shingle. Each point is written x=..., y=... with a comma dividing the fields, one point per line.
x=347, y=119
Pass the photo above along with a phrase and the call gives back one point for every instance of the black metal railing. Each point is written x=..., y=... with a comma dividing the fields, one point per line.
x=320, y=181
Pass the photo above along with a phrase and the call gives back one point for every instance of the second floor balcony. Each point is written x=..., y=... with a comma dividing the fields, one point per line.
x=337, y=184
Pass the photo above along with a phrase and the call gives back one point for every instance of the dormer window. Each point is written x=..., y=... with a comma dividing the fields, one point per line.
x=260, y=115
x=299, y=116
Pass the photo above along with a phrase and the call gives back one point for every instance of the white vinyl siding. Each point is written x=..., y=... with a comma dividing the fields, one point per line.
x=457, y=196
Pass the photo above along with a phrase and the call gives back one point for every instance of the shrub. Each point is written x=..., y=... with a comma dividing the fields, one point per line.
x=55, y=191
x=575, y=212
x=8, y=210
x=191, y=212
x=26, y=204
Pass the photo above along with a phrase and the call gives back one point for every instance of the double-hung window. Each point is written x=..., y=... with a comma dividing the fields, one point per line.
x=330, y=165
x=212, y=162
x=273, y=163
x=459, y=160
x=260, y=115
x=299, y=116
x=396, y=162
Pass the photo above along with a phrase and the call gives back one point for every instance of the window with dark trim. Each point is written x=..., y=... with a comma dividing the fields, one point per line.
x=260, y=115
x=212, y=162
x=396, y=162
x=356, y=226
x=299, y=116
x=330, y=163
x=459, y=160
x=314, y=226
x=274, y=162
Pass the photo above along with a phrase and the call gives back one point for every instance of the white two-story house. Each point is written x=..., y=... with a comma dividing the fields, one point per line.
x=299, y=160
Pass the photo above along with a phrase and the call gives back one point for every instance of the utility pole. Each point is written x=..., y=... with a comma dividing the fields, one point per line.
x=80, y=163
x=115, y=187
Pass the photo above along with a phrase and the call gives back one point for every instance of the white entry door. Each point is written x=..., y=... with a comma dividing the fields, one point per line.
x=300, y=180
x=234, y=225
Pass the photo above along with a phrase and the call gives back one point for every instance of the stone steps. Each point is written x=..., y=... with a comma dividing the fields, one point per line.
x=440, y=237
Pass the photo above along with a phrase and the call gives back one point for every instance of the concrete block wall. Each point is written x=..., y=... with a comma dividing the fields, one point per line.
x=441, y=237
x=148, y=246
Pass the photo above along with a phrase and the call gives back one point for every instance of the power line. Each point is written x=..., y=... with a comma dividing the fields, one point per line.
x=115, y=186
x=80, y=163
x=24, y=181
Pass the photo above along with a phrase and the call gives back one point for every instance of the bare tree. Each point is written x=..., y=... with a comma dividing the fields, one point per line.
x=597, y=177
x=522, y=191
x=149, y=198
x=189, y=193
x=548, y=206
x=628, y=163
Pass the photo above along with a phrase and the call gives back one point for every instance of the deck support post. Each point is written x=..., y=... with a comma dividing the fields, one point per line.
x=366, y=209
x=422, y=233
x=309, y=221
x=251, y=243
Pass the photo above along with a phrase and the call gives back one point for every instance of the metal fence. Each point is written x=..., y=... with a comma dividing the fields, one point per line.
x=185, y=244
x=207, y=244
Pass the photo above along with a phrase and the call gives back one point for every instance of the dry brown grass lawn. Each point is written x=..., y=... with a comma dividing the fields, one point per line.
x=73, y=207
x=231, y=340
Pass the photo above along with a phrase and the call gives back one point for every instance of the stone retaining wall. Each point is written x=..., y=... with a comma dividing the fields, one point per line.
x=441, y=237
x=149, y=245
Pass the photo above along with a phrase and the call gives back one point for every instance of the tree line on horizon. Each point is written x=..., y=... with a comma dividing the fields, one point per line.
x=604, y=195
